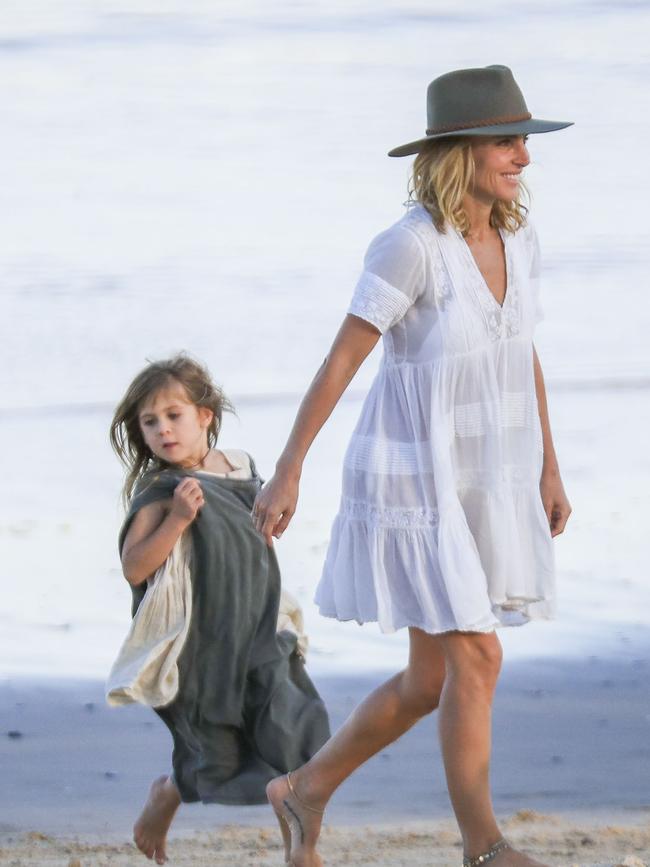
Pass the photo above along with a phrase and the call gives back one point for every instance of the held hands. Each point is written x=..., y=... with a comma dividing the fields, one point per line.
x=187, y=500
x=555, y=502
x=275, y=506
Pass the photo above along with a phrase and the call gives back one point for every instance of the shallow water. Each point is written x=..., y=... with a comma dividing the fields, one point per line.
x=207, y=176
x=67, y=607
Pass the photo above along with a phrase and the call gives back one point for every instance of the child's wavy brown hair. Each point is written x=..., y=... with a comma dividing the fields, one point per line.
x=126, y=435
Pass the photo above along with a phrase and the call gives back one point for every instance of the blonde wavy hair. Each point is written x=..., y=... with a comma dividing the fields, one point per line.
x=126, y=435
x=443, y=172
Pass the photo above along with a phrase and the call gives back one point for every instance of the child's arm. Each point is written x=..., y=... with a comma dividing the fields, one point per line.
x=156, y=528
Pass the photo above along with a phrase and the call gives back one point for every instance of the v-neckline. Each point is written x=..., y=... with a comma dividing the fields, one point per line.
x=484, y=282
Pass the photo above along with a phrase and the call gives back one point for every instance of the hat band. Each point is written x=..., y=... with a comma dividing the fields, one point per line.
x=491, y=121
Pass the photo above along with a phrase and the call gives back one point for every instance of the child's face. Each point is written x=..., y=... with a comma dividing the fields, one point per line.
x=174, y=428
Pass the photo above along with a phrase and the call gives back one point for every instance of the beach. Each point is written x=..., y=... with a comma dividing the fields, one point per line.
x=413, y=845
x=569, y=776
x=207, y=177
x=572, y=713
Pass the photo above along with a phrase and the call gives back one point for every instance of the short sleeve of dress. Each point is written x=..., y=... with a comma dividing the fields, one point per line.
x=393, y=277
x=535, y=273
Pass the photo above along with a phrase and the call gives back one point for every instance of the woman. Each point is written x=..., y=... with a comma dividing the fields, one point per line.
x=451, y=487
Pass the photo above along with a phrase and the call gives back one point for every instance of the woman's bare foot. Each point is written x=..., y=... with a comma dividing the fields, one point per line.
x=150, y=830
x=286, y=837
x=303, y=824
x=513, y=858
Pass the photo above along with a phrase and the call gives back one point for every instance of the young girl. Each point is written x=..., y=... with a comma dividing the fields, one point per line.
x=244, y=708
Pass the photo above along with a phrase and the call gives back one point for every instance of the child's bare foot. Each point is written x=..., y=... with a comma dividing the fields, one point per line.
x=150, y=830
x=302, y=821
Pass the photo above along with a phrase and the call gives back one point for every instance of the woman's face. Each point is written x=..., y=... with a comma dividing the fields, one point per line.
x=499, y=165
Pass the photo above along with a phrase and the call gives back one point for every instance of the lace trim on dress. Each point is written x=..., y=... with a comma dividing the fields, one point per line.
x=420, y=224
x=378, y=302
x=442, y=286
x=392, y=517
x=501, y=321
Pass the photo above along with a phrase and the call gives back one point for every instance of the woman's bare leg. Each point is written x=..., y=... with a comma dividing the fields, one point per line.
x=472, y=664
x=379, y=720
x=150, y=830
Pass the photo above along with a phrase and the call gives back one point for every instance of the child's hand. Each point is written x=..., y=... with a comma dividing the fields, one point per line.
x=187, y=500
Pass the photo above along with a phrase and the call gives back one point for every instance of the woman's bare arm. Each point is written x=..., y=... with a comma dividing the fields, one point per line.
x=276, y=503
x=556, y=504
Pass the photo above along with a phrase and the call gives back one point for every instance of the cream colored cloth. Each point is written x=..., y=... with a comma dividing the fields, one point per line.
x=239, y=461
x=290, y=619
x=146, y=668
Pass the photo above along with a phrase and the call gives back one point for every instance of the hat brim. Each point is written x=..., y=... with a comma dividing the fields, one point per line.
x=522, y=127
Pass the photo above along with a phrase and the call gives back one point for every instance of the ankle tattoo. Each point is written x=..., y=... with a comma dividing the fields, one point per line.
x=287, y=807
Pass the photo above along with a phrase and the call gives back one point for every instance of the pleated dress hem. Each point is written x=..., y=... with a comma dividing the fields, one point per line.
x=505, y=614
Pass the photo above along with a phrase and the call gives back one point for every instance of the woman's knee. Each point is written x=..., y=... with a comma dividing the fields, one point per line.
x=423, y=679
x=474, y=658
x=419, y=697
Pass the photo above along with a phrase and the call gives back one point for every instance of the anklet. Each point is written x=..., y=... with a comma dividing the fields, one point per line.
x=300, y=800
x=486, y=856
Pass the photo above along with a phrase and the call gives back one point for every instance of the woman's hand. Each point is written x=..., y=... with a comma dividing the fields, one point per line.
x=275, y=505
x=187, y=500
x=555, y=502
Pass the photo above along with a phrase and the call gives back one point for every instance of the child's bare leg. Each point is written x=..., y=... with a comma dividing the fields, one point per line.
x=379, y=720
x=150, y=830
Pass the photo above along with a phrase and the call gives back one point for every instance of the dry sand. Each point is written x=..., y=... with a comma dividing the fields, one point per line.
x=550, y=838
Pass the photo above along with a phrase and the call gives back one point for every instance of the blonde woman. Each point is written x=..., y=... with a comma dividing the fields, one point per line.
x=451, y=487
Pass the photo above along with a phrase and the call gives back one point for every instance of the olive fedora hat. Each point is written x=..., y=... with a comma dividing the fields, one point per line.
x=482, y=101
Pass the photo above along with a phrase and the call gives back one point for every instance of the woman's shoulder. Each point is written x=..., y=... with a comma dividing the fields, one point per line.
x=416, y=221
x=405, y=238
x=526, y=239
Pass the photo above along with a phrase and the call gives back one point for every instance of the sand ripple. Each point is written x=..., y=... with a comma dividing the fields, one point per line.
x=559, y=842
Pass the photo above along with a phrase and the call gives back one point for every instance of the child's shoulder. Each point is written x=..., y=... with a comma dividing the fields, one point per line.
x=153, y=485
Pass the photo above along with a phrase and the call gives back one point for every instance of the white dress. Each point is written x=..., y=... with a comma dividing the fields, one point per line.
x=441, y=524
